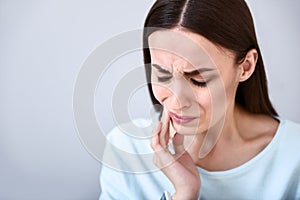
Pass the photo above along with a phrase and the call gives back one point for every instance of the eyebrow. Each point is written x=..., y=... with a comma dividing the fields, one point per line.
x=160, y=69
x=198, y=71
x=192, y=73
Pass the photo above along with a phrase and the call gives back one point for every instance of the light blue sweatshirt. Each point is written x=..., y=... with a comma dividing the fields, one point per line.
x=273, y=174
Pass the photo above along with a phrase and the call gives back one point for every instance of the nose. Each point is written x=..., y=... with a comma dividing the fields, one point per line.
x=180, y=95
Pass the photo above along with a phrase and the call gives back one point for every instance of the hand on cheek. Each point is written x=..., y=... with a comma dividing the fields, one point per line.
x=178, y=167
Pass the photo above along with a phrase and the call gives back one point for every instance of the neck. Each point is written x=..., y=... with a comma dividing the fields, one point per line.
x=227, y=128
x=242, y=137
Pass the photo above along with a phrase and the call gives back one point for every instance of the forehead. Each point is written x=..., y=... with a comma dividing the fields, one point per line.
x=173, y=45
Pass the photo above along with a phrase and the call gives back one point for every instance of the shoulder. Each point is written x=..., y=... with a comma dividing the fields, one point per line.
x=286, y=142
x=127, y=162
x=133, y=137
x=291, y=125
x=289, y=131
x=127, y=147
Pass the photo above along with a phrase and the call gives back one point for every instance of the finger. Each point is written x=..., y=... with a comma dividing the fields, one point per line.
x=155, y=141
x=165, y=133
x=162, y=158
x=168, y=134
x=181, y=153
x=178, y=143
x=176, y=171
x=179, y=169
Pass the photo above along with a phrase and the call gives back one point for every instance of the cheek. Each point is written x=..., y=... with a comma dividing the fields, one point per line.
x=219, y=94
x=203, y=98
x=230, y=80
x=160, y=93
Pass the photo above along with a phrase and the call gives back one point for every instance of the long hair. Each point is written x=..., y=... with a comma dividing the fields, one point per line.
x=226, y=23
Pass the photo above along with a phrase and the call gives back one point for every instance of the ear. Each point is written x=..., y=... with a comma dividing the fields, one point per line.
x=248, y=65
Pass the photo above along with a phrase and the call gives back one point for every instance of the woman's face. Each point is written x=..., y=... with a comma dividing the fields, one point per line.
x=193, y=79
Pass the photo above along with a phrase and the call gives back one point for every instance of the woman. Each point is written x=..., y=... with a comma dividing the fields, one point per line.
x=207, y=72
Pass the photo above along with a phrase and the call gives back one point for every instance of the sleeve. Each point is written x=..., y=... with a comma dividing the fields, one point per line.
x=127, y=168
x=113, y=184
x=116, y=181
x=166, y=196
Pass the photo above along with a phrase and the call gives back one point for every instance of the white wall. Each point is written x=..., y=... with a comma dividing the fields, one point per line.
x=43, y=45
x=278, y=31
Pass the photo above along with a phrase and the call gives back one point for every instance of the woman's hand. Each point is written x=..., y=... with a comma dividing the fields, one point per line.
x=178, y=167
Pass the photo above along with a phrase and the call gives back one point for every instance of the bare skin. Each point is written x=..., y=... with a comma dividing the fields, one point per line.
x=234, y=148
x=180, y=167
x=243, y=135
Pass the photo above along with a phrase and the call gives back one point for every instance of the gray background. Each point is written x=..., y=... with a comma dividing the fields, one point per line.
x=42, y=47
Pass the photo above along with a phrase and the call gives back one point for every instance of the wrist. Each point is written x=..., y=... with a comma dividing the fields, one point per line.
x=185, y=195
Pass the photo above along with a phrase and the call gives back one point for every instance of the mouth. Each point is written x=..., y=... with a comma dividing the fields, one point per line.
x=181, y=119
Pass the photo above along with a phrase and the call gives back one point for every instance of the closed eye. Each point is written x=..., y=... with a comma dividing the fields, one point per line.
x=198, y=83
x=164, y=78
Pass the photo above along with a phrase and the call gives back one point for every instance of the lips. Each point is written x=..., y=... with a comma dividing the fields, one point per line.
x=181, y=119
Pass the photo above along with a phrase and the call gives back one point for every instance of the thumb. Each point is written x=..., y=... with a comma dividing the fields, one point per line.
x=178, y=143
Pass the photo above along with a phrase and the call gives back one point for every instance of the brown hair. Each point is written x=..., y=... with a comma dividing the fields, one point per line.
x=227, y=23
